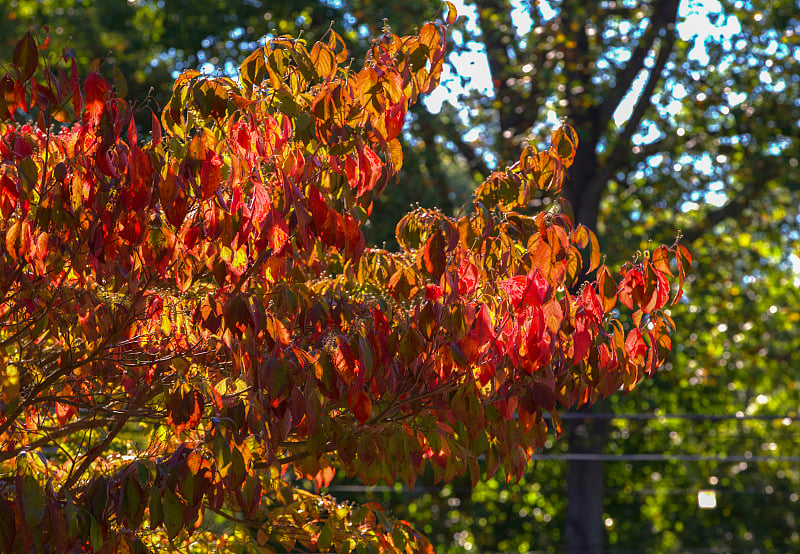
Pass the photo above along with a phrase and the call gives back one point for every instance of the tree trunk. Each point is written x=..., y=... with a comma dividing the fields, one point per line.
x=585, y=531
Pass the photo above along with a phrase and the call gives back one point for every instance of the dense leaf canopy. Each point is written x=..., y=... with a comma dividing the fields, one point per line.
x=210, y=287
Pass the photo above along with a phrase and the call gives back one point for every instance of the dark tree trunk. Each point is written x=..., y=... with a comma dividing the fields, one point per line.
x=585, y=530
x=587, y=179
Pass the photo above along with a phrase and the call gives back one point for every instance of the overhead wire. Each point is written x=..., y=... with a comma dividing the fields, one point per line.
x=691, y=417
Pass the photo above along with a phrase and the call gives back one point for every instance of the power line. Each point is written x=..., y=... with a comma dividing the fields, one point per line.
x=691, y=417
x=456, y=491
x=571, y=456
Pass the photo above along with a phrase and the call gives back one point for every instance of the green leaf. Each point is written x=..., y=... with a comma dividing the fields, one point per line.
x=120, y=84
x=33, y=502
x=95, y=534
x=410, y=346
x=173, y=514
x=254, y=68
x=156, y=508
x=325, y=539
x=29, y=174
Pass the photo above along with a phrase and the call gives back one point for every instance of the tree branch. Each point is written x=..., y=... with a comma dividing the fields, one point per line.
x=665, y=13
x=734, y=207
x=52, y=434
x=95, y=452
x=619, y=153
x=474, y=160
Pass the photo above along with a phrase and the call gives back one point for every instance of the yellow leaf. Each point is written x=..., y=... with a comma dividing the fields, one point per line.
x=9, y=380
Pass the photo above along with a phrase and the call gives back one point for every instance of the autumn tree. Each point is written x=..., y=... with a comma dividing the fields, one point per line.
x=209, y=289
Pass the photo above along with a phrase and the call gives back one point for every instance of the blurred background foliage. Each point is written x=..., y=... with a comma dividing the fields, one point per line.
x=687, y=112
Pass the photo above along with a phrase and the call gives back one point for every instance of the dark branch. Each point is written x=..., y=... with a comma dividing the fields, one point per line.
x=664, y=15
x=620, y=152
x=733, y=208
x=474, y=159
x=95, y=452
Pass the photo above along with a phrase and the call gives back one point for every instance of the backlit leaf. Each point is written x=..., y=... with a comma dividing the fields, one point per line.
x=26, y=56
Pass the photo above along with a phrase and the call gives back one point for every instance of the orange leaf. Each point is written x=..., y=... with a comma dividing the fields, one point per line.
x=452, y=14
x=360, y=404
x=660, y=260
x=564, y=143
x=608, y=289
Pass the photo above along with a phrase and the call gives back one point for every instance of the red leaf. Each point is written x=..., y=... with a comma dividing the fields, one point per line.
x=235, y=260
x=663, y=290
x=97, y=93
x=354, y=242
x=324, y=477
x=278, y=231
x=259, y=203
x=507, y=407
x=582, y=341
x=538, y=346
x=433, y=255
x=77, y=98
x=467, y=277
x=156, y=125
x=184, y=408
x=133, y=136
x=173, y=201
x=344, y=361
x=360, y=404
x=370, y=168
x=277, y=330
x=9, y=194
x=140, y=180
x=394, y=120
x=433, y=292
x=660, y=260
x=210, y=174
x=632, y=287
x=64, y=413
x=539, y=287
x=544, y=396
x=608, y=289
x=7, y=100
x=46, y=44
x=635, y=346
x=515, y=288
x=526, y=290
x=21, y=149
x=106, y=165
x=553, y=315
x=608, y=357
x=564, y=141
x=484, y=327
x=591, y=303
